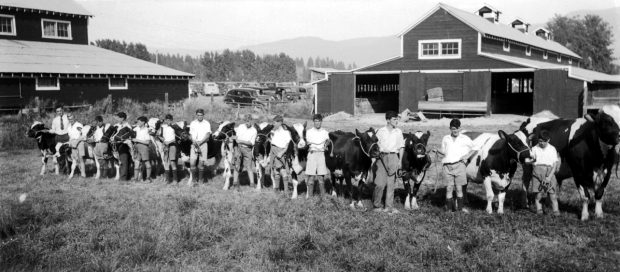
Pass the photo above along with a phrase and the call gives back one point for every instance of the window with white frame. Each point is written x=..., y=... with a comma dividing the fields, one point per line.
x=559, y=58
x=439, y=49
x=117, y=83
x=7, y=25
x=528, y=51
x=545, y=55
x=47, y=84
x=506, y=46
x=56, y=29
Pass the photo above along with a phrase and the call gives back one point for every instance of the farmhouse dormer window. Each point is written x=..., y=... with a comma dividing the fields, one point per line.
x=506, y=46
x=439, y=49
x=56, y=29
x=7, y=24
x=117, y=83
x=47, y=84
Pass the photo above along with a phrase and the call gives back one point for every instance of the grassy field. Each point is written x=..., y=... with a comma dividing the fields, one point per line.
x=107, y=225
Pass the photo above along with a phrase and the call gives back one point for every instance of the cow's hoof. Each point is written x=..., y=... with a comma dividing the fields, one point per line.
x=294, y=197
x=415, y=207
x=225, y=188
x=489, y=211
x=500, y=212
x=407, y=207
x=334, y=194
x=352, y=206
x=360, y=205
x=598, y=215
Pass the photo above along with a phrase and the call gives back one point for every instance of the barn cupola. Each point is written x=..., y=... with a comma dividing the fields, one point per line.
x=543, y=33
x=489, y=13
x=520, y=25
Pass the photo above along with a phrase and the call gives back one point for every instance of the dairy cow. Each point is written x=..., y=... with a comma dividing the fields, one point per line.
x=415, y=162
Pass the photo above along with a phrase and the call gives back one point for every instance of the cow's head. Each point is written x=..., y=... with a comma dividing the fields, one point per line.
x=261, y=143
x=181, y=131
x=416, y=143
x=298, y=134
x=520, y=150
x=608, y=124
x=36, y=129
x=89, y=131
x=368, y=142
x=224, y=130
x=108, y=133
x=154, y=124
x=123, y=134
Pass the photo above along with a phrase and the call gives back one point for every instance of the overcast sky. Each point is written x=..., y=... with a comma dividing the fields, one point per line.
x=218, y=24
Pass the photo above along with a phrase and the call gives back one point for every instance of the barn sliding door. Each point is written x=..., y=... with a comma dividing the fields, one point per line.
x=343, y=92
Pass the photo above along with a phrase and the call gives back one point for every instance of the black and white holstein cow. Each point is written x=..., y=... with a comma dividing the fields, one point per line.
x=495, y=164
x=587, y=147
x=349, y=157
x=46, y=142
x=415, y=162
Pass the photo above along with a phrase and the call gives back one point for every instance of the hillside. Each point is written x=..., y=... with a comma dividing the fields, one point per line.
x=361, y=51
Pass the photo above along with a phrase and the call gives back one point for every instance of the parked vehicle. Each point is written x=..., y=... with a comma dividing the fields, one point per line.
x=210, y=88
x=245, y=97
x=290, y=93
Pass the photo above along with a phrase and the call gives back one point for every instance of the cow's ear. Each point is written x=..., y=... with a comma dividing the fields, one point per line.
x=589, y=117
x=357, y=132
x=502, y=134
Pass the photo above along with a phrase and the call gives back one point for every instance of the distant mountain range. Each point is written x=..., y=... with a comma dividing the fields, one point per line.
x=368, y=50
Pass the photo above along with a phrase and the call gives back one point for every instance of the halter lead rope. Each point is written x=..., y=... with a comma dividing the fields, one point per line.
x=362, y=146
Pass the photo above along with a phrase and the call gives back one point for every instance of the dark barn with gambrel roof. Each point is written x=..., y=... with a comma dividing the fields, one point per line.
x=44, y=52
x=467, y=62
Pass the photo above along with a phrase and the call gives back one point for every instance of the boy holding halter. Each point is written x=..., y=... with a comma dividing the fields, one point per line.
x=168, y=136
x=141, y=149
x=316, y=169
x=391, y=145
x=245, y=138
x=546, y=163
x=280, y=139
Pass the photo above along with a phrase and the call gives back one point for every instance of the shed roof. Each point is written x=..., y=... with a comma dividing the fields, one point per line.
x=61, y=6
x=62, y=58
x=573, y=72
x=498, y=30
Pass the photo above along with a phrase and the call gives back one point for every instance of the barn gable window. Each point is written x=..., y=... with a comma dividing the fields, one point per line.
x=439, y=49
x=56, y=29
x=545, y=55
x=117, y=83
x=528, y=51
x=506, y=46
x=7, y=25
x=47, y=84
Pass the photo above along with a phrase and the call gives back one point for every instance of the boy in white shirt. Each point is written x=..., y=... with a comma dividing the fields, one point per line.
x=280, y=139
x=456, y=148
x=391, y=144
x=141, y=149
x=316, y=137
x=60, y=125
x=168, y=137
x=546, y=163
x=76, y=141
x=245, y=136
x=200, y=132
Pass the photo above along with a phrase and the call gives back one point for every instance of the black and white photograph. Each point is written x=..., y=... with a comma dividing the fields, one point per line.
x=309, y=135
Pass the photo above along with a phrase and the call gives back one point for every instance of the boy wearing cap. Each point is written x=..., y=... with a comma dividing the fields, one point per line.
x=168, y=137
x=316, y=137
x=391, y=145
x=546, y=162
x=76, y=141
x=141, y=149
x=200, y=131
x=456, y=148
x=245, y=137
x=280, y=139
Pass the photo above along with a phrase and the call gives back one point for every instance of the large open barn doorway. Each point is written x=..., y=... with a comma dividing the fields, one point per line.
x=376, y=93
x=512, y=93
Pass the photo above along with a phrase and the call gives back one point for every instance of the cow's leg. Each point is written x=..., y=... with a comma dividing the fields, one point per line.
x=97, y=164
x=117, y=167
x=525, y=184
x=259, y=176
x=583, y=194
x=489, y=193
x=56, y=166
x=73, y=166
x=598, y=208
x=407, y=185
x=295, y=183
x=43, y=162
x=500, y=198
x=414, y=193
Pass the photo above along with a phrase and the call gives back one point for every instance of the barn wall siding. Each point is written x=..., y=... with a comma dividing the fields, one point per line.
x=77, y=91
x=324, y=96
x=411, y=85
x=394, y=65
x=497, y=47
x=476, y=86
x=554, y=91
x=442, y=25
x=28, y=26
x=450, y=83
x=343, y=93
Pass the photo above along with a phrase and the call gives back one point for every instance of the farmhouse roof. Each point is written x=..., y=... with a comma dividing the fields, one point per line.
x=497, y=30
x=573, y=72
x=60, y=6
x=62, y=58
